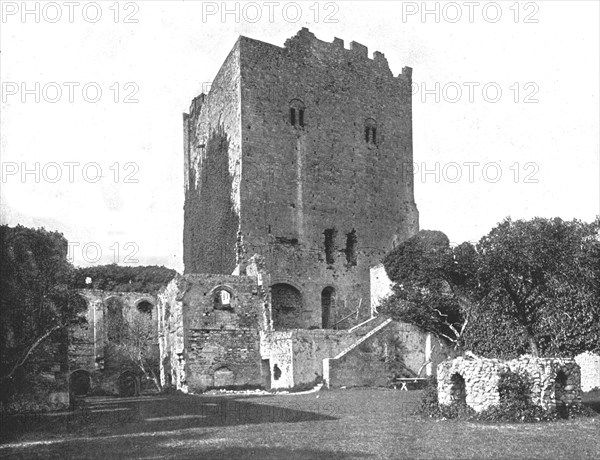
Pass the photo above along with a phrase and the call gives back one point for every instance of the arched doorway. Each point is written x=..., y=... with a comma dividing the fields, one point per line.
x=327, y=303
x=458, y=390
x=80, y=382
x=128, y=384
x=560, y=383
x=286, y=302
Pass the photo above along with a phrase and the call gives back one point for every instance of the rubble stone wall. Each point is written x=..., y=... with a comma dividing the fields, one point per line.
x=90, y=351
x=209, y=331
x=554, y=381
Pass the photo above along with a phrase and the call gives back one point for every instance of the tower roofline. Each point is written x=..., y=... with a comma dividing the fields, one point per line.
x=355, y=50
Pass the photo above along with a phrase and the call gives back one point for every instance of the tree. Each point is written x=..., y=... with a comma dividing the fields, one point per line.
x=436, y=286
x=528, y=286
x=538, y=271
x=114, y=277
x=38, y=299
x=132, y=336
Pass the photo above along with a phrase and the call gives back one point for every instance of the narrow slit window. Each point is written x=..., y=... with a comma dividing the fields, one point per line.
x=297, y=115
x=329, y=245
x=351, y=244
x=370, y=131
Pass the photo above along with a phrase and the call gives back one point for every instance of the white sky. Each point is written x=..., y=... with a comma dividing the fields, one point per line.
x=172, y=50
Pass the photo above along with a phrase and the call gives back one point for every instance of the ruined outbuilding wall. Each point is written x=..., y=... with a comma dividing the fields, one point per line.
x=90, y=349
x=221, y=343
x=554, y=381
x=299, y=182
x=171, y=335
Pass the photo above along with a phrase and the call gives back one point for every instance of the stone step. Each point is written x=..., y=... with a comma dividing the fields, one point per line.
x=363, y=338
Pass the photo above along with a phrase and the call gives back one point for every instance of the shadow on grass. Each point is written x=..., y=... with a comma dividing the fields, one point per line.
x=116, y=416
x=196, y=446
x=174, y=426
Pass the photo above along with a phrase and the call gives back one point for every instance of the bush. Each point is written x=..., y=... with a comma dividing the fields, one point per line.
x=24, y=403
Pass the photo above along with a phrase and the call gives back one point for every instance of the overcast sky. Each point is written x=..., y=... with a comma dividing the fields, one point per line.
x=508, y=124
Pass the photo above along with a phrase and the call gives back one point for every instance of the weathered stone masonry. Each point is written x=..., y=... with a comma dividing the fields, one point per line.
x=209, y=331
x=294, y=188
x=297, y=154
x=554, y=381
x=92, y=362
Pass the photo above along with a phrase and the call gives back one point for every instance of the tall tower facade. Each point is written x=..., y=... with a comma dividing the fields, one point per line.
x=301, y=154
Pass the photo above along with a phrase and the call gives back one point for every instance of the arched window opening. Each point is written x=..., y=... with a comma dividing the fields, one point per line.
x=327, y=304
x=458, y=391
x=297, y=109
x=145, y=307
x=222, y=300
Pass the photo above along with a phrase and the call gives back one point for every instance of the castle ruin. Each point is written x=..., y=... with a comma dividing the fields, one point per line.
x=294, y=190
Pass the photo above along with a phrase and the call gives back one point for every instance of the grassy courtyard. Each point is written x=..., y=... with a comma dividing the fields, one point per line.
x=341, y=424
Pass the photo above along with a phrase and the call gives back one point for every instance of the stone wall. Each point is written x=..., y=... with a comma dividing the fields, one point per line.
x=92, y=357
x=209, y=331
x=300, y=182
x=312, y=347
x=296, y=356
x=277, y=350
x=368, y=363
x=590, y=370
x=171, y=335
x=554, y=381
x=323, y=199
x=212, y=174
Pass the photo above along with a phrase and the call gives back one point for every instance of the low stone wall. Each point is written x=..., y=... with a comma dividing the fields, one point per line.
x=590, y=370
x=554, y=381
x=296, y=356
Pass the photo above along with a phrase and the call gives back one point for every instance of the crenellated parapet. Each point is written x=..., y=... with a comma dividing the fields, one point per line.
x=306, y=42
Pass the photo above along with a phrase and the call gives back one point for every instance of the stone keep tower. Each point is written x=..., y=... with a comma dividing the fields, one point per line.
x=299, y=154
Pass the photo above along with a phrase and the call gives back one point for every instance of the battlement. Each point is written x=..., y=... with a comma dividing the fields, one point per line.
x=305, y=40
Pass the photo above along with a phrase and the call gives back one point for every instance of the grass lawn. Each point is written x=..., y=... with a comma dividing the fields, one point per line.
x=341, y=424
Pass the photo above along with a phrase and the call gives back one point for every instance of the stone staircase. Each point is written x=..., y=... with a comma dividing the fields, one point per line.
x=362, y=332
x=367, y=335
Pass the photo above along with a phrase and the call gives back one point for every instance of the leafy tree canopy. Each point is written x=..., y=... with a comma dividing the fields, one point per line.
x=38, y=298
x=527, y=286
x=114, y=277
x=435, y=284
